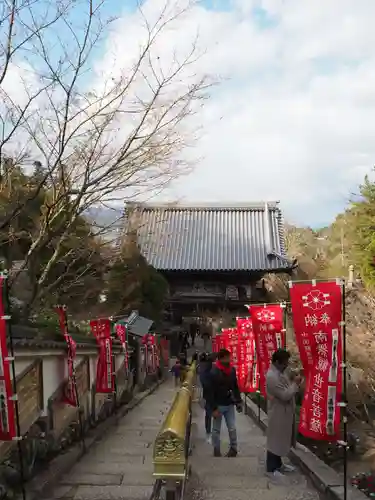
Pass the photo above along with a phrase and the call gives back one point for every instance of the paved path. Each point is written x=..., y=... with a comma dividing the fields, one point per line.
x=119, y=466
x=243, y=477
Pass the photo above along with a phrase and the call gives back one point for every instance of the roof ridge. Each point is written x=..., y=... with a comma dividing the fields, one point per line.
x=272, y=205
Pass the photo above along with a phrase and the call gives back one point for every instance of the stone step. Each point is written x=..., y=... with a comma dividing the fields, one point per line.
x=273, y=492
x=114, y=467
x=113, y=493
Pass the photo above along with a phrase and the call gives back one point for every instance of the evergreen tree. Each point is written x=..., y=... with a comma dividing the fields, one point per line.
x=362, y=229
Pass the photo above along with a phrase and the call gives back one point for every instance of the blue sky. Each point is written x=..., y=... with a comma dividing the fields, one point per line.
x=292, y=119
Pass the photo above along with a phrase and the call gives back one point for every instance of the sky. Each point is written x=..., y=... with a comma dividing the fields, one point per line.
x=292, y=118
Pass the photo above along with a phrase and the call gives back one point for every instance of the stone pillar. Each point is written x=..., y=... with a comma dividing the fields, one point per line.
x=351, y=276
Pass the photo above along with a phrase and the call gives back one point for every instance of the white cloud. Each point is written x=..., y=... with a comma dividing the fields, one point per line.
x=293, y=117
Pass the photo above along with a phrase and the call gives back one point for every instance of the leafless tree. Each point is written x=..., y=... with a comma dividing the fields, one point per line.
x=114, y=136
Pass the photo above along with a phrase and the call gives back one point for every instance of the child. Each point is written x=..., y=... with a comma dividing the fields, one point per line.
x=176, y=371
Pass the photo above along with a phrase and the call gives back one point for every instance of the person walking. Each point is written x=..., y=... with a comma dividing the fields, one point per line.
x=206, y=338
x=223, y=396
x=204, y=369
x=193, y=335
x=281, y=391
x=176, y=372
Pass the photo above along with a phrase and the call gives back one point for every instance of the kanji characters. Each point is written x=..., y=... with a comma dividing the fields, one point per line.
x=325, y=319
x=317, y=396
x=318, y=380
x=317, y=411
x=320, y=337
x=311, y=320
x=322, y=364
x=316, y=425
x=322, y=350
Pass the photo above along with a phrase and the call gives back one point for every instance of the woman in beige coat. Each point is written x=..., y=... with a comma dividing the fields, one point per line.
x=281, y=413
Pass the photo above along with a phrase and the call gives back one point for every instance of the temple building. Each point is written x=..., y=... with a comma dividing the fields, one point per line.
x=214, y=257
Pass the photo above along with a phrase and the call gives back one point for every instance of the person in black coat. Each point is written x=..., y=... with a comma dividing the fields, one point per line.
x=223, y=396
x=204, y=369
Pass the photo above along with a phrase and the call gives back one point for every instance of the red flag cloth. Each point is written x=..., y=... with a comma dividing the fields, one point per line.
x=121, y=334
x=220, y=341
x=105, y=380
x=317, y=319
x=61, y=311
x=7, y=410
x=247, y=366
x=230, y=339
x=269, y=331
x=70, y=393
x=149, y=341
x=101, y=328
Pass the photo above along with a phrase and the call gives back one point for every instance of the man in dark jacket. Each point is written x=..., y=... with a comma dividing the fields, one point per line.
x=204, y=369
x=222, y=396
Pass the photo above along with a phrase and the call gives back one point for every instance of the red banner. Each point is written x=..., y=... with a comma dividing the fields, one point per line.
x=7, y=410
x=151, y=354
x=269, y=331
x=105, y=380
x=247, y=366
x=221, y=340
x=317, y=318
x=121, y=334
x=230, y=340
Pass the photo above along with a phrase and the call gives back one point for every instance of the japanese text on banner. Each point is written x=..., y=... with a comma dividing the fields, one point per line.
x=121, y=334
x=268, y=327
x=317, y=316
x=247, y=369
x=230, y=339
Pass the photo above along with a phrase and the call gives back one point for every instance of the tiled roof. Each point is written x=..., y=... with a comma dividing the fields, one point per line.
x=139, y=326
x=210, y=238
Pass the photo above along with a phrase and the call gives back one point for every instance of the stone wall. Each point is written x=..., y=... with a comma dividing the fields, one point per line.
x=48, y=425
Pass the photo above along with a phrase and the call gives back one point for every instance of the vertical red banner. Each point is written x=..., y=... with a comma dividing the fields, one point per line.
x=247, y=366
x=269, y=331
x=7, y=409
x=121, y=334
x=221, y=340
x=105, y=380
x=230, y=340
x=317, y=318
x=149, y=341
x=70, y=393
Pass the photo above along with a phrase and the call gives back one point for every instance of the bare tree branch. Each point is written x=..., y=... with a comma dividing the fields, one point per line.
x=120, y=139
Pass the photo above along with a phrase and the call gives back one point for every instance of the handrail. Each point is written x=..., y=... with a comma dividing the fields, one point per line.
x=172, y=442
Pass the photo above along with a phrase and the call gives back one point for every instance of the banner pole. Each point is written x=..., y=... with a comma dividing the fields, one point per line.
x=344, y=394
x=81, y=427
x=76, y=395
x=258, y=398
x=284, y=324
x=113, y=368
x=7, y=310
x=114, y=379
